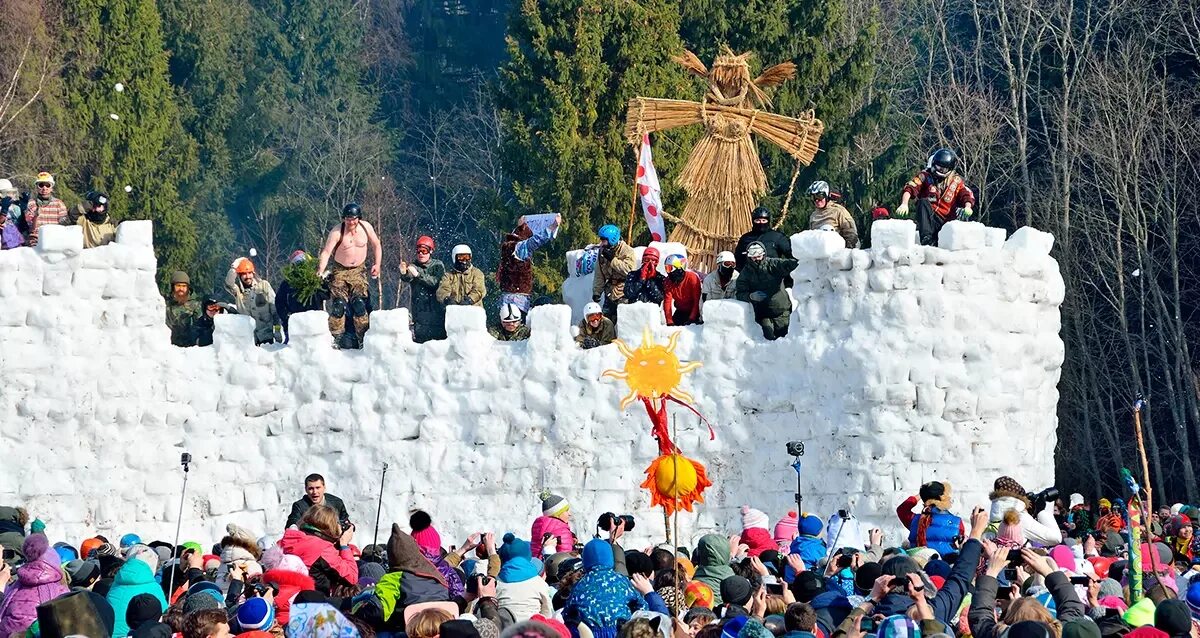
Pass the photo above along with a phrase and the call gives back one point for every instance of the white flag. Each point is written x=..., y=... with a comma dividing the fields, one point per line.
x=647, y=183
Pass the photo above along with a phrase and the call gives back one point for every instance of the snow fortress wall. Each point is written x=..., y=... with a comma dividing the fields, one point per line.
x=904, y=364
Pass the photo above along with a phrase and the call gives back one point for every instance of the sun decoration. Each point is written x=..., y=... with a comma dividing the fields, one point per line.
x=653, y=373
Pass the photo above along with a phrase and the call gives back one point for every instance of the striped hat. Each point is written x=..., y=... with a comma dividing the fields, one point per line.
x=898, y=626
x=553, y=504
x=256, y=614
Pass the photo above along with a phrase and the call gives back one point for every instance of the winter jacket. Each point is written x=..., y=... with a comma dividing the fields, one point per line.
x=945, y=605
x=181, y=319
x=982, y=615
x=682, y=300
x=712, y=563
x=555, y=527
x=288, y=304
x=462, y=288
x=810, y=548
x=638, y=290
x=767, y=277
x=515, y=272
x=37, y=582
x=837, y=217
x=939, y=534
x=257, y=301
x=302, y=505
x=775, y=243
x=289, y=584
x=601, y=335
x=945, y=195
x=134, y=577
x=428, y=314
x=413, y=580
x=602, y=599
x=327, y=565
x=1042, y=531
x=711, y=288
x=95, y=233
x=1080, y=522
x=525, y=599
x=41, y=212
x=611, y=273
x=10, y=235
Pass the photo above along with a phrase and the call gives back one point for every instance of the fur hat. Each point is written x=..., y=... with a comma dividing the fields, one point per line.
x=937, y=494
x=1008, y=486
x=752, y=518
x=239, y=547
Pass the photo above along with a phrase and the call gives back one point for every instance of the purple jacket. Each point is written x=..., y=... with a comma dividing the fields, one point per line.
x=37, y=582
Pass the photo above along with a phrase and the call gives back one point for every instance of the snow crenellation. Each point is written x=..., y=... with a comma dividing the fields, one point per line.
x=904, y=363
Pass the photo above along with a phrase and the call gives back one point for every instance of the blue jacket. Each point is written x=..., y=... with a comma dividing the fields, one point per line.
x=811, y=549
x=941, y=532
x=132, y=579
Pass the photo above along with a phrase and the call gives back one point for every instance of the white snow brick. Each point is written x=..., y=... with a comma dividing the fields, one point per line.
x=631, y=318
x=1029, y=239
x=235, y=331
x=60, y=239
x=136, y=232
x=462, y=320
x=816, y=244
x=391, y=322
x=995, y=237
x=886, y=233
x=960, y=235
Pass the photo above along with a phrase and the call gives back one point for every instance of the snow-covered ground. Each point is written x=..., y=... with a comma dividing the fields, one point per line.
x=904, y=364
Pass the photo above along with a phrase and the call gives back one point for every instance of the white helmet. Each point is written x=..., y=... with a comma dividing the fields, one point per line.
x=461, y=249
x=819, y=188
x=725, y=256
x=592, y=308
x=510, y=312
x=826, y=227
x=6, y=186
x=755, y=250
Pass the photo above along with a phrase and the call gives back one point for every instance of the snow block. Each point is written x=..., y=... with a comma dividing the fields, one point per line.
x=960, y=235
x=816, y=244
x=465, y=319
x=60, y=239
x=136, y=232
x=1028, y=239
x=901, y=233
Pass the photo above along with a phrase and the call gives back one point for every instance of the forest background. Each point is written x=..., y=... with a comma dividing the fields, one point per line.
x=250, y=123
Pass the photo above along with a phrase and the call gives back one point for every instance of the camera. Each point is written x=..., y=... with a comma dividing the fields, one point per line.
x=608, y=521
x=844, y=515
x=185, y=459
x=346, y=525
x=1040, y=499
x=795, y=448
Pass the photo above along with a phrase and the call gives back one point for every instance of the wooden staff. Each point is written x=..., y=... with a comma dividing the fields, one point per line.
x=633, y=197
x=1138, y=405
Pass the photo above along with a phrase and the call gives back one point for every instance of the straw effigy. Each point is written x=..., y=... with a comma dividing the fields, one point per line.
x=724, y=177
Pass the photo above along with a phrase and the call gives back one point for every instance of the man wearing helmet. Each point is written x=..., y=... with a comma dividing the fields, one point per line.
x=828, y=213
x=515, y=272
x=617, y=260
x=646, y=285
x=183, y=310
x=463, y=285
x=595, y=330
x=254, y=297
x=512, y=324
x=721, y=283
x=681, y=303
x=760, y=284
x=941, y=193
x=347, y=245
x=775, y=243
x=92, y=215
x=425, y=275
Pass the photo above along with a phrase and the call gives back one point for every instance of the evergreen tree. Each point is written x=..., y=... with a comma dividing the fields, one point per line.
x=573, y=66
x=131, y=137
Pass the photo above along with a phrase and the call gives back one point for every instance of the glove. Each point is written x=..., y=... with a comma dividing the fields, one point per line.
x=758, y=297
x=412, y=270
x=596, y=298
x=325, y=275
x=278, y=333
x=902, y=210
x=964, y=214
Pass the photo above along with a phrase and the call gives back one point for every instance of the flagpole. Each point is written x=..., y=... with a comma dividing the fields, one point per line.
x=633, y=196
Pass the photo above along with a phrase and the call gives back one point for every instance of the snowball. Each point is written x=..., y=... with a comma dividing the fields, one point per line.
x=114, y=117
x=120, y=88
x=128, y=188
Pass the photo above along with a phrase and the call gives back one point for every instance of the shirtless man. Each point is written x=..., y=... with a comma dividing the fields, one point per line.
x=347, y=274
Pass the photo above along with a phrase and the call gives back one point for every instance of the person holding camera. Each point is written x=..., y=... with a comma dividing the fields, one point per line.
x=982, y=615
x=315, y=494
x=1007, y=494
x=323, y=545
x=616, y=526
x=551, y=532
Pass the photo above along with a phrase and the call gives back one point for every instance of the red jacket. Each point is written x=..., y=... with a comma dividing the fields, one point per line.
x=684, y=297
x=289, y=584
x=946, y=196
x=325, y=563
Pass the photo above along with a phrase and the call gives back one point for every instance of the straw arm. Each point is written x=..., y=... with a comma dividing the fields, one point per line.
x=647, y=115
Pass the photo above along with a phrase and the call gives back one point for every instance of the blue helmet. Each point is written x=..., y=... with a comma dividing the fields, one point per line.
x=610, y=233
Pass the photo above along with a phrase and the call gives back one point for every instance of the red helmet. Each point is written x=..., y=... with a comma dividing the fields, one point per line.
x=426, y=241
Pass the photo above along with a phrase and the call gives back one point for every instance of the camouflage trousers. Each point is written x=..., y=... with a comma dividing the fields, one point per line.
x=348, y=296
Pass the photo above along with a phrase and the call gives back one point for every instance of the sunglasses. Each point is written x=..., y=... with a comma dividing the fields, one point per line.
x=45, y=185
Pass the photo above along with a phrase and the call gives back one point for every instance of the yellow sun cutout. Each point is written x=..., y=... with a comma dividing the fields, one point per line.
x=652, y=370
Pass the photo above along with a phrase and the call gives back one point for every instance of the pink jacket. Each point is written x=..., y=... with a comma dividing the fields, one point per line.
x=554, y=527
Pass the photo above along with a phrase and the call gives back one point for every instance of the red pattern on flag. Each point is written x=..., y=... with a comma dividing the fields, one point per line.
x=647, y=181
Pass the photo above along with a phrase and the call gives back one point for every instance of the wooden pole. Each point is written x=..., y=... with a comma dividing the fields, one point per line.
x=1138, y=405
x=633, y=198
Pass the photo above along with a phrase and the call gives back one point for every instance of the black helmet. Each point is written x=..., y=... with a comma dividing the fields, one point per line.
x=943, y=162
x=96, y=198
x=761, y=213
x=352, y=210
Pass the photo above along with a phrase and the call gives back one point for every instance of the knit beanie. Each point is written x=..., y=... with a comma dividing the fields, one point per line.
x=786, y=529
x=1140, y=614
x=1173, y=617
x=1010, y=534
x=1063, y=558
x=1084, y=628
x=810, y=526
x=81, y=571
x=424, y=533
x=143, y=553
x=204, y=599
x=736, y=590
x=513, y=547
x=142, y=608
x=865, y=577
x=292, y=563
x=553, y=504
x=1193, y=597
x=370, y=573
x=256, y=615
x=752, y=518
x=487, y=628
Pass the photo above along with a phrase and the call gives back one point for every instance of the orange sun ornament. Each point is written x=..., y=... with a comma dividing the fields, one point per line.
x=653, y=373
